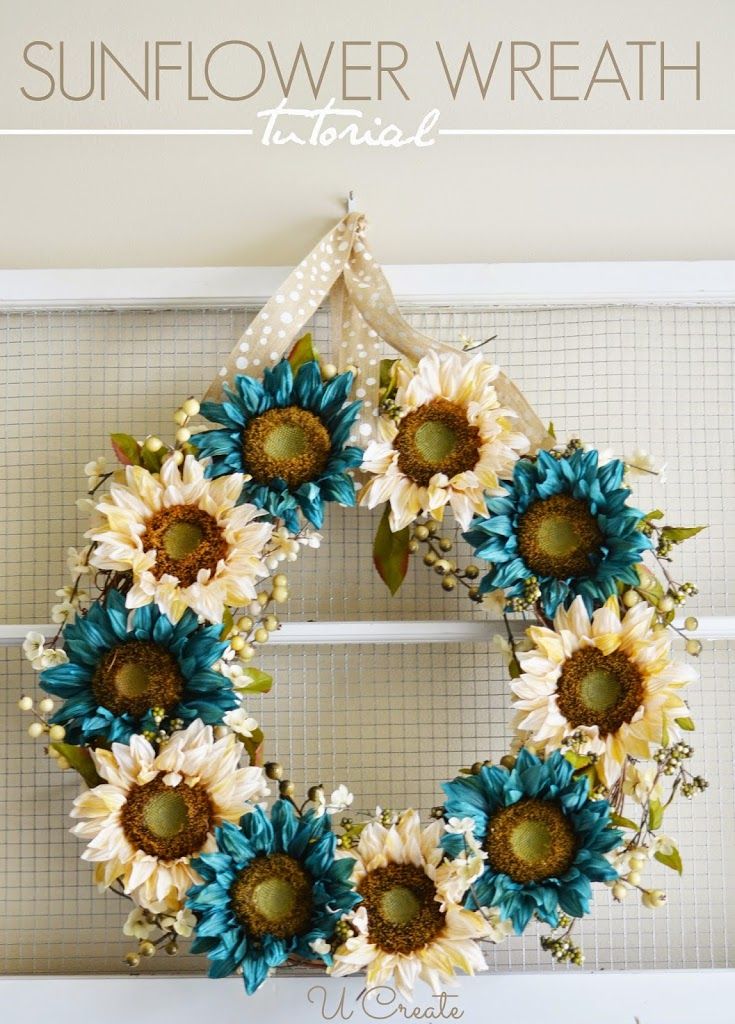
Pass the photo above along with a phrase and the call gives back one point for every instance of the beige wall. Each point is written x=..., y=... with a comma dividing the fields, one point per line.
x=75, y=201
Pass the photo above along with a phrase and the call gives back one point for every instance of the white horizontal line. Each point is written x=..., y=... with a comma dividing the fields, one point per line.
x=586, y=131
x=393, y=632
x=126, y=131
x=505, y=285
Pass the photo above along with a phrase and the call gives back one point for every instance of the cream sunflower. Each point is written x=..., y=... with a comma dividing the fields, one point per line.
x=184, y=539
x=154, y=812
x=452, y=442
x=610, y=679
x=410, y=923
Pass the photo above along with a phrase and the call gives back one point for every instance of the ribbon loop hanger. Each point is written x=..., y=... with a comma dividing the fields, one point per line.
x=363, y=311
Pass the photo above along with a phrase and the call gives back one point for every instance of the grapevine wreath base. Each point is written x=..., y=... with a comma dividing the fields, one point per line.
x=176, y=588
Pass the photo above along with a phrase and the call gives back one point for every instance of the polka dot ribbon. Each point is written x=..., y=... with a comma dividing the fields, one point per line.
x=364, y=314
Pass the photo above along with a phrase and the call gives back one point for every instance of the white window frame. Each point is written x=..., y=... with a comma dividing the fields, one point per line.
x=673, y=997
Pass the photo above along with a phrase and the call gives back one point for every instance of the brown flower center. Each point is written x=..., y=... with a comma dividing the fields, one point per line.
x=531, y=840
x=167, y=822
x=136, y=676
x=292, y=444
x=186, y=539
x=402, y=910
x=272, y=896
x=436, y=438
x=557, y=537
x=599, y=689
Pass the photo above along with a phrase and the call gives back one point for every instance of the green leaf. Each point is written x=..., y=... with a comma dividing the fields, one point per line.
x=649, y=587
x=621, y=822
x=686, y=724
x=670, y=860
x=80, y=760
x=153, y=460
x=126, y=449
x=390, y=553
x=550, y=430
x=388, y=381
x=260, y=682
x=655, y=514
x=514, y=668
x=655, y=814
x=577, y=760
x=590, y=774
x=254, y=746
x=227, y=623
x=302, y=352
x=676, y=534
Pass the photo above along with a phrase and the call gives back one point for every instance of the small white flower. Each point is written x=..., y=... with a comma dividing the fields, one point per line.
x=95, y=470
x=460, y=826
x=495, y=602
x=228, y=668
x=72, y=594
x=321, y=947
x=283, y=548
x=310, y=538
x=139, y=924
x=340, y=800
x=240, y=723
x=183, y=923
x=77, y=561
x=62, y=612
x=640, y=783
x=663, y=844
x=640, y=463
x=33, y=645
x=56, y=656
x=502, y=645
x=381, y=811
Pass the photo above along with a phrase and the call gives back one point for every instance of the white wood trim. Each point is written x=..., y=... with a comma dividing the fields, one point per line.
x=505, y=285
x=611, y=997
x=391, y=632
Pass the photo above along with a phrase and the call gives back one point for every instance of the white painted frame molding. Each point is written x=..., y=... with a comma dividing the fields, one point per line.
x=484, y=285
x=647, y=997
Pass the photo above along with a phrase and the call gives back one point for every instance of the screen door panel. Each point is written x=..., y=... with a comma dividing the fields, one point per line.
x=391, y=720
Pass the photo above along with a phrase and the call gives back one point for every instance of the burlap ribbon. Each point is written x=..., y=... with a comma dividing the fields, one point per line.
x=363, y=312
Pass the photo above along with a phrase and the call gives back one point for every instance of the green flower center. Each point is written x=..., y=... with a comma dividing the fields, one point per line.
x=531, y=840
x=186, y=540
x=436, y=438
x=399, y=905
x=165, y=815
x=136, y=676
x=402, y=910
x=273, y=896
x=558, y=537
x=181, y=539
x=291, y=444
x=599, y=689
x=167, y=822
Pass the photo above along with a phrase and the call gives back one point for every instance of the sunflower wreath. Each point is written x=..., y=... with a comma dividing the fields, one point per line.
x=176, y=589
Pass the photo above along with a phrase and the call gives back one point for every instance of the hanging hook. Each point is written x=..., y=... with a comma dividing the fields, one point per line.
x=351, y=201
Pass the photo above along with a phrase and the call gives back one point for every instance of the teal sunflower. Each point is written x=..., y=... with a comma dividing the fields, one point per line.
x=122, y=664
x=566, y=522
x=544, y=837
x=289, y=433
x=273, y=889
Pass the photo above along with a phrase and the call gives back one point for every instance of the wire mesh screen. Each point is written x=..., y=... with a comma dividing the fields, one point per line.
x=392, y=720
